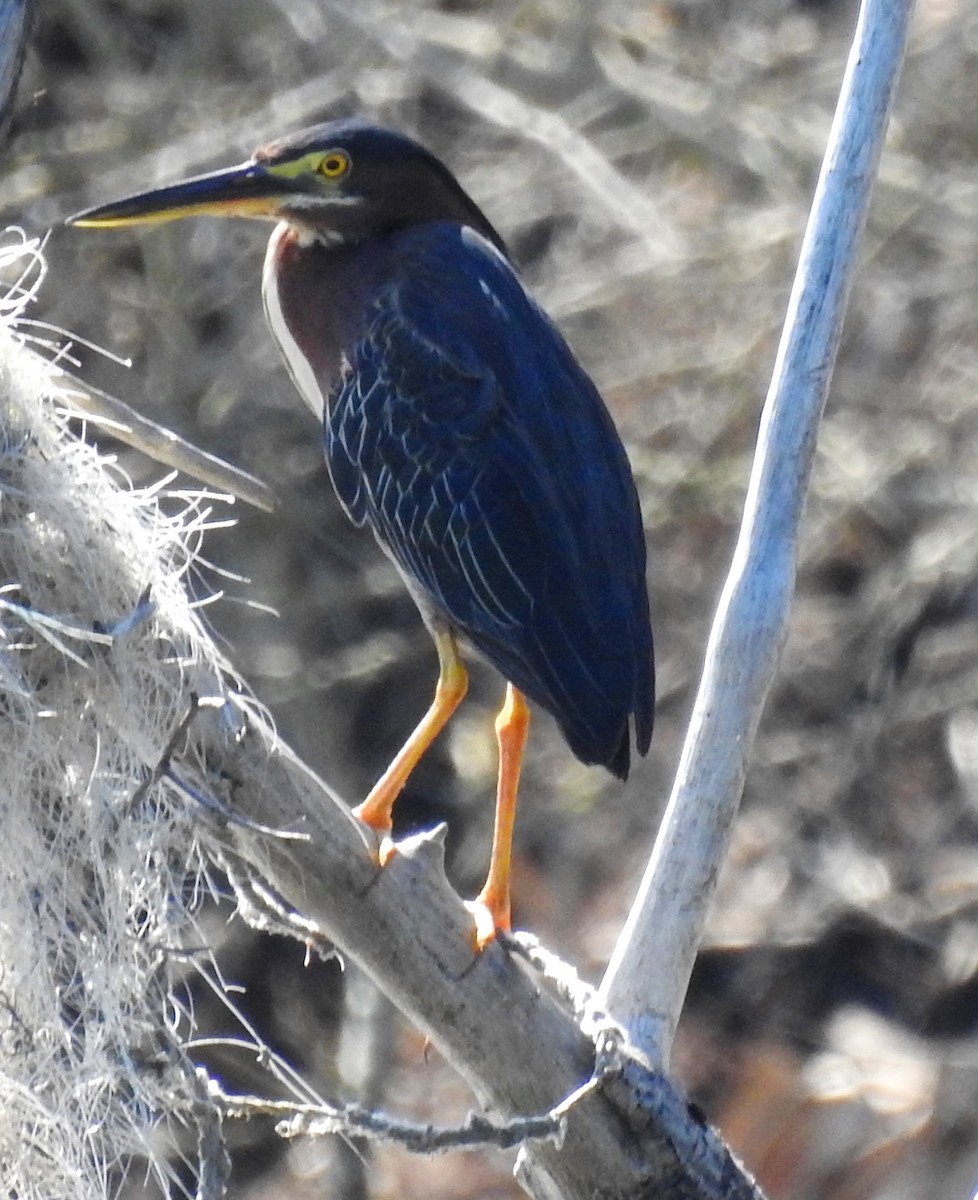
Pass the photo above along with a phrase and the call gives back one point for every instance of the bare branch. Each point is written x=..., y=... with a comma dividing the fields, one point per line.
x=519, y=1049
x=646, y=980
x=353, y=1120
x=166, y=447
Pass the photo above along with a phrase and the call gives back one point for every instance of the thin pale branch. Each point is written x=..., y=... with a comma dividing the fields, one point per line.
x=646, y=980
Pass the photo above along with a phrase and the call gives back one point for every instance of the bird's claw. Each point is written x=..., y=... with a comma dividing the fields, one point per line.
x=488, y=923
x=377, y=839
x=381, y=848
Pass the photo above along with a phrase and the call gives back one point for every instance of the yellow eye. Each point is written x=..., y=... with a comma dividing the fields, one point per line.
x=334, y=164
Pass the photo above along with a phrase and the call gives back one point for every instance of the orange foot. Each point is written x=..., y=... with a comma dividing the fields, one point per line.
x=384, y=849
x=490, y=919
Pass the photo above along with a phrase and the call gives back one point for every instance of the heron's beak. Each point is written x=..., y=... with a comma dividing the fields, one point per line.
x=245, y=191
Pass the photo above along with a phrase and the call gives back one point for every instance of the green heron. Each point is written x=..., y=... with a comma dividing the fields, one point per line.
x=461, y=429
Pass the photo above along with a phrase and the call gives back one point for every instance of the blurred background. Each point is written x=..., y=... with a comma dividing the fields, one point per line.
x=651, y=166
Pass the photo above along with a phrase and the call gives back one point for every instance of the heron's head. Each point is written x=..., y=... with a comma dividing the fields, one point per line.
x=345, y=181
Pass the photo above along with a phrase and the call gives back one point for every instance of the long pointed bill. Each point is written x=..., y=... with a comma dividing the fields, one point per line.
x=248, y=190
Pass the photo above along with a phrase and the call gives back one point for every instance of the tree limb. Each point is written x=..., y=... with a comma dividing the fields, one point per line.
x=521, y=1051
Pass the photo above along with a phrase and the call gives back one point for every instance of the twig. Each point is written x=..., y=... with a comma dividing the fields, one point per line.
x=353, y=1120
x=260, y=908
x=164, y=446
x=212, y=1152
x=177, y=735
x=568, y=985
x=205, y=797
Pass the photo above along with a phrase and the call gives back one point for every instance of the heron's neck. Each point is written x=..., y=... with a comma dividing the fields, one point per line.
x=314, y=295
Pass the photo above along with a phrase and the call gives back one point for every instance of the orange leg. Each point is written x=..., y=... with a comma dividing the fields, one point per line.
x=491, y=907
x=453, y=683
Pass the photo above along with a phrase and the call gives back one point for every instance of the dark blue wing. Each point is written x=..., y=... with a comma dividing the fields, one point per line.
x=465, y=434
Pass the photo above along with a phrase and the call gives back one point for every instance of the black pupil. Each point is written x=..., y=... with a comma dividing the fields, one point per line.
x=334, y=164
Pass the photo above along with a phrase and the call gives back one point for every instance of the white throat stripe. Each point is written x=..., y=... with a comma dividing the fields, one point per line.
x=302, y=373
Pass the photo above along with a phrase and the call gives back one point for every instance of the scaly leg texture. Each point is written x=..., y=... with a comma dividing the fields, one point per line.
x=453, y=683
x=491, y=907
